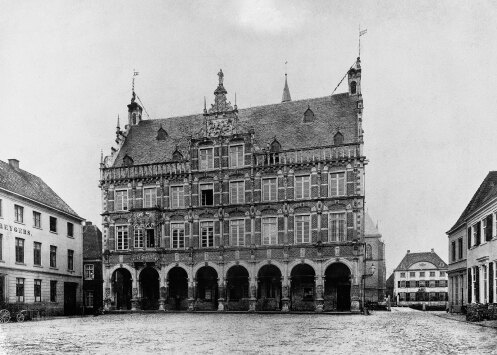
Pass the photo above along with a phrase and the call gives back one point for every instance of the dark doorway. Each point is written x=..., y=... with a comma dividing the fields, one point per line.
x=178, y=288
x=122, y=285
x=237, y=283
x=149, y=283
x=70, y=306
x=269, y=288
x=2, y=290
x=302, y=288
x=337, y=287
x=207, y=291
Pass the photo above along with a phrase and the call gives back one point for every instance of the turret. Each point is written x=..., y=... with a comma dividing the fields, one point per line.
x=286, y=92
x=354, y=75
x=134, y=112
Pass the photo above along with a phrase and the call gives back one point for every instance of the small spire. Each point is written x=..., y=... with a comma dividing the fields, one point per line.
x=235, y=101
x=101, y=156
x=118, y=126
x=286, y=92
x=205, y=105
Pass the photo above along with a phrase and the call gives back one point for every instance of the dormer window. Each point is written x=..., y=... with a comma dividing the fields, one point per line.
x=127, y=160
x=275, y=146
x=161, y=134
x=308, y=115
x=353, y=87
x=338, y=139
x=177, y=156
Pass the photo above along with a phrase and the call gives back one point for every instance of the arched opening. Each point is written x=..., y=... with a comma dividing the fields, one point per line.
x=121, y=287
x=178, y=288
x=353, y=87
x=369, y=252
x=269, y=288
x=337, y=288
x=237, y=288
x=302, y=288
x=149, y=283
x=207, y=291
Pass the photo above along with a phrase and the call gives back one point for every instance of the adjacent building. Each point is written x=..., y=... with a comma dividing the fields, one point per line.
x=374, y=283
x=473, y=248
x=421, y=280
x=259, y=208
x=41, y=244
x=92, y=268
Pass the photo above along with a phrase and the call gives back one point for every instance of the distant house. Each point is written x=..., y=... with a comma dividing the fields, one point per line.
x=390, y=286
x=421, y=279
x=92, y=268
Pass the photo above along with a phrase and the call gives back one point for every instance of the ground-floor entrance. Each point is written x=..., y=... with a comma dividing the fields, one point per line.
x=70, y=301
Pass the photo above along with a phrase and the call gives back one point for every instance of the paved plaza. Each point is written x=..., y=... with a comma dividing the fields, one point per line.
x=400, y=331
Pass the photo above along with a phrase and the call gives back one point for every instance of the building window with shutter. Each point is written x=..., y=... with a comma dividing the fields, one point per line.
x=121, y=200
x=237, y=192
x=149, y=197
x=477, y=233
x=337, y=184
x=53, y=224
x=459, y=248
x=20, y=250
x=206, y=158
x=302, y=187
x=178, y=235
x=36, y=219
x=177, y=197
x=489, y=228
x=89, y=298
x=337, y=227
x=269, y=231
x=453, y=250
x=237, y=231
x=122, y=237
x=236, y=156
x=70, y=259
x=70, y=230
x=138, y=234
x=37, y=290
x=53, y=256
x=269, y=189
x=19, y=289
x=302, y=229
x=206, y=234
x=37, y=253
x=19, y=213
x=89, y=271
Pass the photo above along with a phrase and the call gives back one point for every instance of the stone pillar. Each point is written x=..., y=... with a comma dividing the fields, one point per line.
x=162, y=291
x=221, y=289
x=134, y=297
x=253, y=294
x=354, y=298
x=285, y=292
x=319, y=293
x=191, y=300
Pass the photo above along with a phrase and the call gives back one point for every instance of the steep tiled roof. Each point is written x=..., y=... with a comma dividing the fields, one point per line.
x=283, y=120
x=487, y=190
x=92, y=242
x=413, y=258
x=390, y=281
x=32, y=187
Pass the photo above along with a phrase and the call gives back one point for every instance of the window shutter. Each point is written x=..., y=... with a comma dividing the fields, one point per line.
x=491, y=282
x=469, y=239
x=477, y=285
x=350, y=183
x=350, y=226
x=489, y=229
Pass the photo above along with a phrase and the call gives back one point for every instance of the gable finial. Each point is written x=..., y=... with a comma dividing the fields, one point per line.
x=205, y=105
x=235, y=102
x=286, y=91
x=133, y=95
x=118, y=125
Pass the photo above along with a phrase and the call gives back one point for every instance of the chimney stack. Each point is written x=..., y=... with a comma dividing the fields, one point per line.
x=408, y=251
x=432, y=250
x=14, y=163
x=88, y=223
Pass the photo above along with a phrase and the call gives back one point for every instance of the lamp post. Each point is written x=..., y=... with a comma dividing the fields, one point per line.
x=371, y=273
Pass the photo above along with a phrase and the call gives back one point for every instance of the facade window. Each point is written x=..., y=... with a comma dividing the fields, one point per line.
x=402, y=284
x=302, y=187
x=236, y=156
x=70, y=230
x=485, y=277
x=178, y=235
x=36, y=219
x=412, y=274
x=302, y=229
x=421, y=274
x=489, y=228
x=469, y=238
x=53, y=291
x=70, y=259
x=237, y=231
x=442, y=273
x=149, y=197
x=369, y=252
x=36, y=253
x=337, y=227
x=89, y=298
x=19, y=289
x=206, y=158
x=177, y=197
x=269, y=190
x=432, y=283
x=150, y=238
x=53, y=224
x=477, y=233
x=19, y=213
x=269, y=230
x=206, y=234
x=453, y=250
x=432, y=273
x=37, y=290
x=122, y=237
x=19, y=250
x=206, y=194
x=121, y=200
x=237, y=192
x=53, y=256
x=89, y=271
x=459, y=248
x=422, y=283
x=337, y=184
x=138, y=237
x=403, y=274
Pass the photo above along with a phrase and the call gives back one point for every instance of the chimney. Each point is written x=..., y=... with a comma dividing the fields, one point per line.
x=14, y=163
x=432, y=250
x=88, y=223
x=408, y=251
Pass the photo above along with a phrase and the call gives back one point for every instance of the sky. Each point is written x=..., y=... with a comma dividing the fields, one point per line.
x=428, y=82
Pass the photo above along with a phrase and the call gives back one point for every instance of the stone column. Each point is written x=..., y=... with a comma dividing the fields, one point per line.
x=285, y=291
x=134, y=298
x=253, y=294
x=191, y=300
x=162, y=290
x=319, y=293
x=221, y=287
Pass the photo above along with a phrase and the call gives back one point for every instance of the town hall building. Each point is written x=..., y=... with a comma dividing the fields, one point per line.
x=250, y=209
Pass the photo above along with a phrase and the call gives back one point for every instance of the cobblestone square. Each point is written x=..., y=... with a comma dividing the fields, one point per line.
x=400, y=331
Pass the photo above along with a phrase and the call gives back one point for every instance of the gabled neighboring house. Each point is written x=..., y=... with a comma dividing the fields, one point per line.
x=92, y=268
x=473, y=248
x=421, y=279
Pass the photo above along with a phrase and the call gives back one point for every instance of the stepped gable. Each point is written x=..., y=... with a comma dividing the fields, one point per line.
x=413, y=258
x=92, y=242
x=32, y=187
x=487, y=190
x=285, y=121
